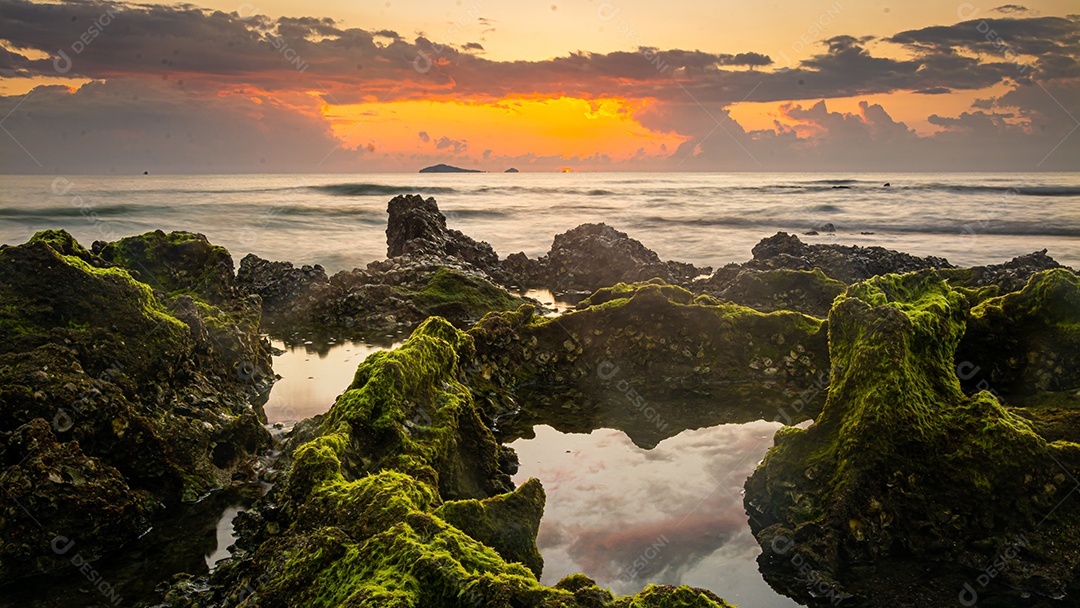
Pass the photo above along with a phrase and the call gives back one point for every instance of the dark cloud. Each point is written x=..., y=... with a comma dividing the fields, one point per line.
x=1012, y=8
x=458, y=146
x=425, y=137
x=127, y=126
x=213, y=48
x=1005, y=38
x=190, y=68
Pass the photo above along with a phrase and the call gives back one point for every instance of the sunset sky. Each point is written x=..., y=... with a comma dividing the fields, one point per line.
x=630, y=85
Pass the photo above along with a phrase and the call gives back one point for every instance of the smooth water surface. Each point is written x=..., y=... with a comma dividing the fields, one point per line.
x=628, y=516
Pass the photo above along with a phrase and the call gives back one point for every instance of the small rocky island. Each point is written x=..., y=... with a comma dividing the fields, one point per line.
x=444, y=168
x=939, y=465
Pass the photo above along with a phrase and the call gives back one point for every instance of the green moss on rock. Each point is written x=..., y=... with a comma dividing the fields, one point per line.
x=507, y=523
x=1028, y=341
x=176, y=263
x=402, y=501
x=648, y=359
x=903, y=474
x=806, y=291
x=139, y=415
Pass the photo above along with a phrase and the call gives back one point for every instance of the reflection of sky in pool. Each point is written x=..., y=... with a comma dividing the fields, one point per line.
x=313, y=376
x=627, y=516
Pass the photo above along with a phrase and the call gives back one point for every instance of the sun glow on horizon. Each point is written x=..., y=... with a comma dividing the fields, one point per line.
x=566, y=127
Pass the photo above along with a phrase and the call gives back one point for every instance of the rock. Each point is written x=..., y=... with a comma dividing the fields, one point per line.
x=648, y=359
x=178, y=261
x=94, y=366
x=901, y=479
x=518, y=271
x=417, y=228
x=846, y=263
x=1008, y=277
x=395, y=502
x=1025, y=342
x=592, y=256
x=805, y=291
x=507, y=523
x=282, y=287
x=432, y=271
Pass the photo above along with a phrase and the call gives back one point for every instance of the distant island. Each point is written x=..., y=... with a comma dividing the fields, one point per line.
x=444, y=168
x=441, y=168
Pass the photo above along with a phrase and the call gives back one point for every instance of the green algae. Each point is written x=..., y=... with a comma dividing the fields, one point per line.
x=507, y=523
x=165, y=262
x=655, y=596
x=622, y=291
x=401, y=502
x=1027, y=341
x=807, y=291
x=405, y=410
x=137, y=415
x=450, y=292
x=902, y=463
x=63, y=243
x=635, y=352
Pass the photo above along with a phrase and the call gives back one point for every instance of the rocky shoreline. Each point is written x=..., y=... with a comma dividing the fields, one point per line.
x=944, y=403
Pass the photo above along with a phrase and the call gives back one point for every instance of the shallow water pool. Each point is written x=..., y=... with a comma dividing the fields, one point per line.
x=627, y=516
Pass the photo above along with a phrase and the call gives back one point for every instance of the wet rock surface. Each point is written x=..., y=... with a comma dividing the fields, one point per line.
x=648, y=359
x=416, y=228
x=593, y=256
x=896, y=495
x=119, y=400
x=404, y=499
x=845, y=263
x=431, y=270
x=128, y=375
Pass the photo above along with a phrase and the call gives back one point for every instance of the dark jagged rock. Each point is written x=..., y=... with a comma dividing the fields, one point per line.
x=417, y=228
x=521, y=272
x=650, y=360
x=118, y=402
x=364, y=515
x=846, y=263
x=432, y=270
x=593, y=256
x=906, y=491
x=1008, y=277
x=283, y=288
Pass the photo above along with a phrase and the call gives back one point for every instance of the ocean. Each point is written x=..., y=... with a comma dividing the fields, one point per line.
x=703, y=218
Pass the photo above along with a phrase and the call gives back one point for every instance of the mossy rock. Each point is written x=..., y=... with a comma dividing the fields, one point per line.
x=176, y=263
x=376, y=511
x=648, y=359
x=1028, y=341
x=805, y=291
x=904, y=475
x=507, y=523
x=123, y=395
